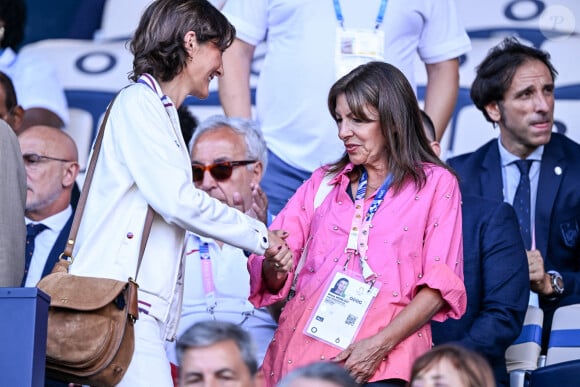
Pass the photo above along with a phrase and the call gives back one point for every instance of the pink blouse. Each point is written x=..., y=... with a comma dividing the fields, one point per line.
x=415, y=241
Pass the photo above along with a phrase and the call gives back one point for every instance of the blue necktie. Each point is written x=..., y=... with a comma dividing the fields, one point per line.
x=32, y=230
x=522, y=202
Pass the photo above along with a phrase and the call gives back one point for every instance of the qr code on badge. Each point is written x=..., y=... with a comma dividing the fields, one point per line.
x=350, y=320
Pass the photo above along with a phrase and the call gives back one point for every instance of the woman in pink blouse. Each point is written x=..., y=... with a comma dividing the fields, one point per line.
x=390, y=225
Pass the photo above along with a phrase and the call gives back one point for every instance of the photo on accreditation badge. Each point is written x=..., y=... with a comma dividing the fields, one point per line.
x=341, y=309
x=339, y=287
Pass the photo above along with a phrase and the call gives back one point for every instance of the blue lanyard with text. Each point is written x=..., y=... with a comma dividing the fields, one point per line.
x=378, y=22
x=359, y=232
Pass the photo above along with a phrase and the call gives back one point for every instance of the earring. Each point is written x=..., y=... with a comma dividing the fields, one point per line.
x=1, y=34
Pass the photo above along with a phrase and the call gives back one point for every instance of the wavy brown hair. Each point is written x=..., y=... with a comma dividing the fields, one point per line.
x=157, y=44
x=383, y=88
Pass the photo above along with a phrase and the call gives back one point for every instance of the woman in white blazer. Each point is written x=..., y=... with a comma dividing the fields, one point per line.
x=144, y=160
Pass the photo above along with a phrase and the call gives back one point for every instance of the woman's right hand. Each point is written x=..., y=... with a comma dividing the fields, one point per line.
x=278, y=261
x=279, y=257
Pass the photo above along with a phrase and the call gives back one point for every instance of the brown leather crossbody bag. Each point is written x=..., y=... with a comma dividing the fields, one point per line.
x=90, y=338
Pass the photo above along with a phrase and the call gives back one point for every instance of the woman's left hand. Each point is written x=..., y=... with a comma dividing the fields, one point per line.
x=361, y=359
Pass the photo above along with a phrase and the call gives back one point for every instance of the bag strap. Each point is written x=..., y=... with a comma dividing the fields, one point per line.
x=85, y=193
x=323, y=190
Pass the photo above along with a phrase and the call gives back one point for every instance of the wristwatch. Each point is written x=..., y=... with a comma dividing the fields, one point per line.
x=557, y=283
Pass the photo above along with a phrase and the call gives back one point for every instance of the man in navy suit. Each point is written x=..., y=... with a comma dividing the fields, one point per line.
x=514, y=88
x=496, y=279
x=51, y=163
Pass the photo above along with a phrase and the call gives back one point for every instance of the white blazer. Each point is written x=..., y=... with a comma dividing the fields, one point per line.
x=144, y=160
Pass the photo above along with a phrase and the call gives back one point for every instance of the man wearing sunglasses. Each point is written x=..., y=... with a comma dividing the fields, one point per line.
x=51, y=162
x=228, y=159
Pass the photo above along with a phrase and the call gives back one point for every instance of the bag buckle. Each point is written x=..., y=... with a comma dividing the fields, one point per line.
x=133, y=309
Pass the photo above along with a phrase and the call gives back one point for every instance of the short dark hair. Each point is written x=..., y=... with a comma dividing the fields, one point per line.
x=6, y=84
x=13, y=14
x=157, y=44
x=207, y=333
x=495, y=74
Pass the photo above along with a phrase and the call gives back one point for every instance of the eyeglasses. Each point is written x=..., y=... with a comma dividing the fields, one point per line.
x=32, y=159
x=220, y=171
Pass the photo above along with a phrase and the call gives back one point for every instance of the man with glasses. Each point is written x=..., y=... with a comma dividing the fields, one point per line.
x=51, y=163
x=228, y=160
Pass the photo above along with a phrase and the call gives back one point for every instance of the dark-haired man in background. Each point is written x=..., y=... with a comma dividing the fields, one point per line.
x=530, y=167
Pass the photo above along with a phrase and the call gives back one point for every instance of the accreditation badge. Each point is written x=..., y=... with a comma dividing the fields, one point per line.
x=357, y=46
x=341, y=309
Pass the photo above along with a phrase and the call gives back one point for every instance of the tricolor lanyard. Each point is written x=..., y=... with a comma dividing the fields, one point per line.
x=207, y=276
x=378, y=21
x=360, y=229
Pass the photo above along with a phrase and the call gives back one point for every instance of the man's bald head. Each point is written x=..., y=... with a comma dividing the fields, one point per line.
x=54, y=139
x=51, y=161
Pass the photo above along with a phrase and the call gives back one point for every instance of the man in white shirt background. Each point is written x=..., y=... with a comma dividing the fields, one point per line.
x=50, y=159
x=228, y=160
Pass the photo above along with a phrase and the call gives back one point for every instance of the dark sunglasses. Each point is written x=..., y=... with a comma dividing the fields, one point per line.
x=220, y=171
x=33, y=158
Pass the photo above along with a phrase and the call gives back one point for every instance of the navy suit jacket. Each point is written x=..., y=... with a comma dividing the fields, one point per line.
x=557, y=208
x=495, y=269
x=58, y=247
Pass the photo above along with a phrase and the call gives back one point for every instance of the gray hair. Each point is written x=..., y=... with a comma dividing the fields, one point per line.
x=207, y=333
x=322, y=370
x=250, y=130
